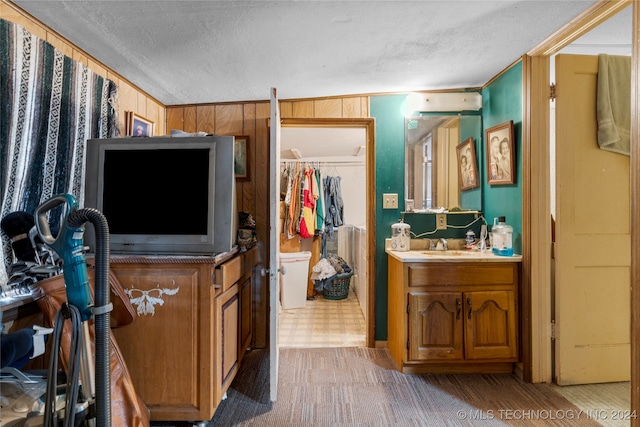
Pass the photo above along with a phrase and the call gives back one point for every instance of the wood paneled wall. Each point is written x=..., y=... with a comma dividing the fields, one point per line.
x=130, y=97
x=252, y=119
x=242, y=118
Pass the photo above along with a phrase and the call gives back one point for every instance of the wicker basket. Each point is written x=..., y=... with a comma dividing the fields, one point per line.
x=339, y=288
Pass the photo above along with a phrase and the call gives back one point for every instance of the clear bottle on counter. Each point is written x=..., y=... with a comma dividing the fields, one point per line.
x=502, y=241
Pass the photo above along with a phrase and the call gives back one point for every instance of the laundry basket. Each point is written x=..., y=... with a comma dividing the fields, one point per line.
x=339, y=289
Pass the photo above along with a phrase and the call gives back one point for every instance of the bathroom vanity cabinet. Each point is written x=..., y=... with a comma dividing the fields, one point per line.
x=453, y=315
x=193, y=327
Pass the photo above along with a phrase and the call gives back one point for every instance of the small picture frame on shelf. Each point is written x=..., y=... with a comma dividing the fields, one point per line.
x=137, y=126
x=500, y=154
x=241, y=157
x=467, y=169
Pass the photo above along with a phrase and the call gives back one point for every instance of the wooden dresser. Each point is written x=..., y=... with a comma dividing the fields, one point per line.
x=194, y=325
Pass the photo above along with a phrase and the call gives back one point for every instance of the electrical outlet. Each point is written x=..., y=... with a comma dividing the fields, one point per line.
x=390, y=201
x=441, y=221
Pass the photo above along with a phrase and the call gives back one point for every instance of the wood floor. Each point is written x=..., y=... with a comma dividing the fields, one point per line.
x=609, y=402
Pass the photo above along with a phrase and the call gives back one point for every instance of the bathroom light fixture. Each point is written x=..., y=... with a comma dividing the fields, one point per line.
x=443, y=101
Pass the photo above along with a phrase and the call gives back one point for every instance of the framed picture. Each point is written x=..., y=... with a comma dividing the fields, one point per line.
x=500, y=155
x=241, y=157
x=467, y=169
x=137, y=125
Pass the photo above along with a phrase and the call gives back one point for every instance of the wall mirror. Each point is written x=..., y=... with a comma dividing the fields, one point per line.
x=431, y=166
x=431, y=175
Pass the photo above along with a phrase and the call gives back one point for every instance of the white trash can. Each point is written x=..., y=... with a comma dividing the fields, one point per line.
x=293, y=279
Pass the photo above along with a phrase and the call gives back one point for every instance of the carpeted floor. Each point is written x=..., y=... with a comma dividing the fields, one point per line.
x=360, y=387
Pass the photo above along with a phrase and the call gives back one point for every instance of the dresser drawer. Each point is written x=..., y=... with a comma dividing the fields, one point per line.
x=425, y=274
x=229, y=273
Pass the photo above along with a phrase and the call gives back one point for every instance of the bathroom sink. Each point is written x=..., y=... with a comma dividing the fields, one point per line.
x=454, y=253
x=450, y=255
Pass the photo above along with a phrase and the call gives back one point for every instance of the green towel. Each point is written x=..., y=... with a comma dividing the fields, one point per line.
x=614, y=103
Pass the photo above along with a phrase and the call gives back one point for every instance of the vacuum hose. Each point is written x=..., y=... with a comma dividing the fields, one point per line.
x=69, y=245
x=102, y=323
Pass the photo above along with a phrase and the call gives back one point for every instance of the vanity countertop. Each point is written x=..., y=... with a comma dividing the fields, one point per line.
x=450, y=256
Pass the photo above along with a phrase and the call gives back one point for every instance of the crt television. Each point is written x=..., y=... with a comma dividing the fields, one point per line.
x=163, y=195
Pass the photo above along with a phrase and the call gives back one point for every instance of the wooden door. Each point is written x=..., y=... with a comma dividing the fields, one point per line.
x=490, y=325
x=435, y=326
x=592, y=249
x=274, y=242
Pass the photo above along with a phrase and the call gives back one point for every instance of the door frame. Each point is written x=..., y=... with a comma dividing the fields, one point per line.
x=537, y=245
x=368, y=124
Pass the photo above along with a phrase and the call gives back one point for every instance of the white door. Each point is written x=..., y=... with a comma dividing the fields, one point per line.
x=593, y=241
x=274, y=243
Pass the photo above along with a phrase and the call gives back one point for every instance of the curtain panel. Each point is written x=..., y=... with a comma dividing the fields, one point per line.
x=50, y=106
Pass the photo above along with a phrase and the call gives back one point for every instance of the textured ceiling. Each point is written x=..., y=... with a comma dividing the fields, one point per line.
x=184, y=52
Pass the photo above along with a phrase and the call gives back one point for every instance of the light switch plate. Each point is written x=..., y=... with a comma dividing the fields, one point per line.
x=390, y=201
x=441, y=221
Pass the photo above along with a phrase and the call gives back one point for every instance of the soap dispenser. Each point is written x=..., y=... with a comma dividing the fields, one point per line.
x=400, y=236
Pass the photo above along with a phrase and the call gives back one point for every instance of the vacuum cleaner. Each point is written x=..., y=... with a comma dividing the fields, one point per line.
x=87, y=400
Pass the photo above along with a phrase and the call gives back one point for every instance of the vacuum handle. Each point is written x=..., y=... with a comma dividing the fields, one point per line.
x=68, y=244
x=42, y=224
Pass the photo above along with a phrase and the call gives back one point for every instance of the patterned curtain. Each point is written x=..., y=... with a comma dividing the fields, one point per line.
x=50, y=106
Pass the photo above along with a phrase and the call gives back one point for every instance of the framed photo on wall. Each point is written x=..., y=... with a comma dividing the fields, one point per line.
x=241, y=157
x=467, y=169
x=500, y=154
x=137, y=125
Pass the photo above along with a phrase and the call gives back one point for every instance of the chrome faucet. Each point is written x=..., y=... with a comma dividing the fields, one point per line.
x=440, y=245
x=442, y=241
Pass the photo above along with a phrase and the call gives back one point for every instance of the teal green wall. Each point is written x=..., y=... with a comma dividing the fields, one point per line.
x=389, y=114
x=501, y=102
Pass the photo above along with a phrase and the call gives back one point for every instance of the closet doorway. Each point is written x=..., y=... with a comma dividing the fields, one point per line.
x=341, y=149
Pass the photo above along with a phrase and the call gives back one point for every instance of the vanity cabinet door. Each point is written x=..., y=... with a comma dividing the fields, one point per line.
x=490, y=325
x=435, y=326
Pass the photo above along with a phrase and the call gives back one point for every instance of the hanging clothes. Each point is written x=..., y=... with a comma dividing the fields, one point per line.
x=313, y=204
x=309, y=196
x=334, y=209
x=319, y=202
x=286, y=182
x=292, y=201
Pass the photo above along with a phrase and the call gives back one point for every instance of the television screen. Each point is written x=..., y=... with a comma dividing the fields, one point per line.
x=163, y=195
x=128, y=188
